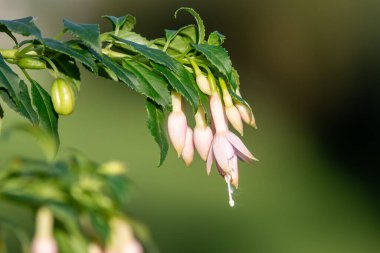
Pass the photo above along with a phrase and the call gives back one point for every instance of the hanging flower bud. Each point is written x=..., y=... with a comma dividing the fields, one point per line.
x=122, y=239
x=177, y=124
x=188, y=150
x=245, y=112
x=202, y=134
x=94, y=248
x=201, y=79
x=43, y=241
x=232, y=112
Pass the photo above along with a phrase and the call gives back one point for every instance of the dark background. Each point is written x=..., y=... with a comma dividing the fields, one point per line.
x=311, y=70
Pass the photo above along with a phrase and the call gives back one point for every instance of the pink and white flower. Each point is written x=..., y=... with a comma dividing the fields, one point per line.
x=226, y=147
x=177, y=124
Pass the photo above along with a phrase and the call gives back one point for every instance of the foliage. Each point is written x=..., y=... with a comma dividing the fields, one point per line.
x=152, y=68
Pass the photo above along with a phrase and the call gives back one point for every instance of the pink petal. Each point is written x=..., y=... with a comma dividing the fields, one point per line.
x=177, y=127
x=202, y=140
x=241, y=150
x=223, y=152
x=210, y=159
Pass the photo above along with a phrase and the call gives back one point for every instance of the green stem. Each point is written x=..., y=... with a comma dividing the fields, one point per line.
x=60, y=34
x=51, y=63
x=26, y=74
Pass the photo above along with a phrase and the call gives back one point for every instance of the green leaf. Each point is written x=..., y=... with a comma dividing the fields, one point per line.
x=48, y=118
x=15, y=93
x=1, y=117
x=88, y=33
x=182, y=84
x=190, y=33
x=23, y=26
x=82, y=56
x=155, y=55
x=126, y=22
x=156, y=122
x=67, y=66
x=201, y=27
x=216, y=38
x=122, y=74
x=176, y=42
x=219, y=58
x=150, y=84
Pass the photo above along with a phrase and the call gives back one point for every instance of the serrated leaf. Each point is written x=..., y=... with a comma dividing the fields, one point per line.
x=190, y=33
x=181, y=74
x=150, y=84
x=155, y=55
x=126, y=22
x=88, y=33
x=67, y=66
x=82, y=56
x=23, y=26
x=180, y=83
x=48, y=118
x=15, y=93
x=201, y=27
x=174, y=41
x=216, y=38
x=219, y=58
x=156, y=122
x=122, y=74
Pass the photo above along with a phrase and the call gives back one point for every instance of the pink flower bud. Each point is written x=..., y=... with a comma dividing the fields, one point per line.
x=43, y=241
x=245, y=112
x=177, y=124
x=44, y=245
x=234, y=118
x=133, y=247
x=188, y=150
x=202, y=134
x=202, y=140
x=203, y=84
x=94, y=248
x=253, y=121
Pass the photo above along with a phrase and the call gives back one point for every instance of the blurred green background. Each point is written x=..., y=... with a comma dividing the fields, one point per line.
x=311, y=70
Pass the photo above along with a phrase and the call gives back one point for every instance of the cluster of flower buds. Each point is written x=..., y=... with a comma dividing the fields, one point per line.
x=219, y=144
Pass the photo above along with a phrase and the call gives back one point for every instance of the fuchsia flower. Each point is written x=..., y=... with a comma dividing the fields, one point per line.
x=177, y=124
x=202, y=134
x=226, y=147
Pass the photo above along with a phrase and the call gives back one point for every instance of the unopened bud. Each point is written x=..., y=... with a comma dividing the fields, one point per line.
x=177, y=124
x=253, y=121
x=113, y=168
x=203, y=84
x=188, y=150
x=202, y=135
x=245, y=112
x=234, y=118
x=43, y=241
x=94, y=248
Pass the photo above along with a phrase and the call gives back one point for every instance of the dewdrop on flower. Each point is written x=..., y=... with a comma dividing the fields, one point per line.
x=177, y=124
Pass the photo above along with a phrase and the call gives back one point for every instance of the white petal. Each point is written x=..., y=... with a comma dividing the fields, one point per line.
x=241, y=150
x=223, y=152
